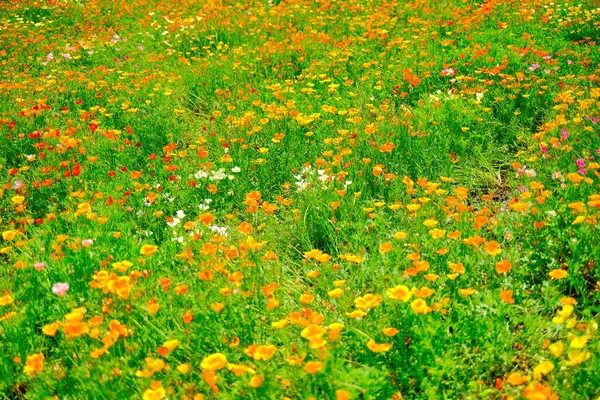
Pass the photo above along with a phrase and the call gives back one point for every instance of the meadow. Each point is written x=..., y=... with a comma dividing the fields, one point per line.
x=298, y=199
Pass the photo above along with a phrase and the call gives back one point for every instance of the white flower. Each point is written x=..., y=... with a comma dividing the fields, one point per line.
x=235, y=170
x=174, y=223
x=180, y=214
x=221, y=230
x=201, y=174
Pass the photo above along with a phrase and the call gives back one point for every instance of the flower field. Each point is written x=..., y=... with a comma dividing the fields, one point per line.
x=296, y=199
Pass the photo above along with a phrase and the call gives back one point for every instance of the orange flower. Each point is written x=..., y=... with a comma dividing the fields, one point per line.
x=378, y=348
x=263, y=353
x=502, y=267
x=188, y=317
x=516, y=379
x=492, y=248
x=306, y=298
x=34, y=364
x=385, y=248
x=506, y=296
x=387, y=147
x=312, y=367
x=390, y=331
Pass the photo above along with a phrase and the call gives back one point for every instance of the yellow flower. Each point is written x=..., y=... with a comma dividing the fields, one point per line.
x=467, y=292
x=154, y=394
x=6, y=300
x=368, y=301
x=183, y=368
x=334, y=330
x=264, y=352
x=437, y=233
x=558, y=274
x=214, y=362
x=9, y=235
x=50, y=329
x=148, y=250
x=579, y=342
x=122, y=266
x=577, y=357
x=17, y=200
x=400, y=235
x=312, y=332
x=419, y=306
x=556, y=349
x=171, y=344
x=240, y=369
x=335, y=293
x=400, y=292
x=543, y=368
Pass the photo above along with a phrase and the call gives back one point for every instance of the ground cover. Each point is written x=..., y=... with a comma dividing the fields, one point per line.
x=299, y=199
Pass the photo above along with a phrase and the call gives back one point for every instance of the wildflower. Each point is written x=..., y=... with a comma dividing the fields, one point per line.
x=313, y=367
x=419, y=306
x=368, y=301
x=378, y=348
x=17, y=200
x=256, y=381
x=516, y=379
x=400, y=292
x=156, y=392
x=390, y=331
x=214, y=362
x=263, y=353
x=148, y=250
x=492, y=248
x=60, y=288
x=502, y=267
x=506, y=296
x=6, y=300
x=34, y=364
x=50, y=329
x=9, y=235
x=557, y=274
x=334, y=330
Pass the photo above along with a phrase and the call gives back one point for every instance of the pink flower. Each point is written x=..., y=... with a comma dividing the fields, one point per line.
x=87, y=242
x=60, y=288
x=39, y=266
